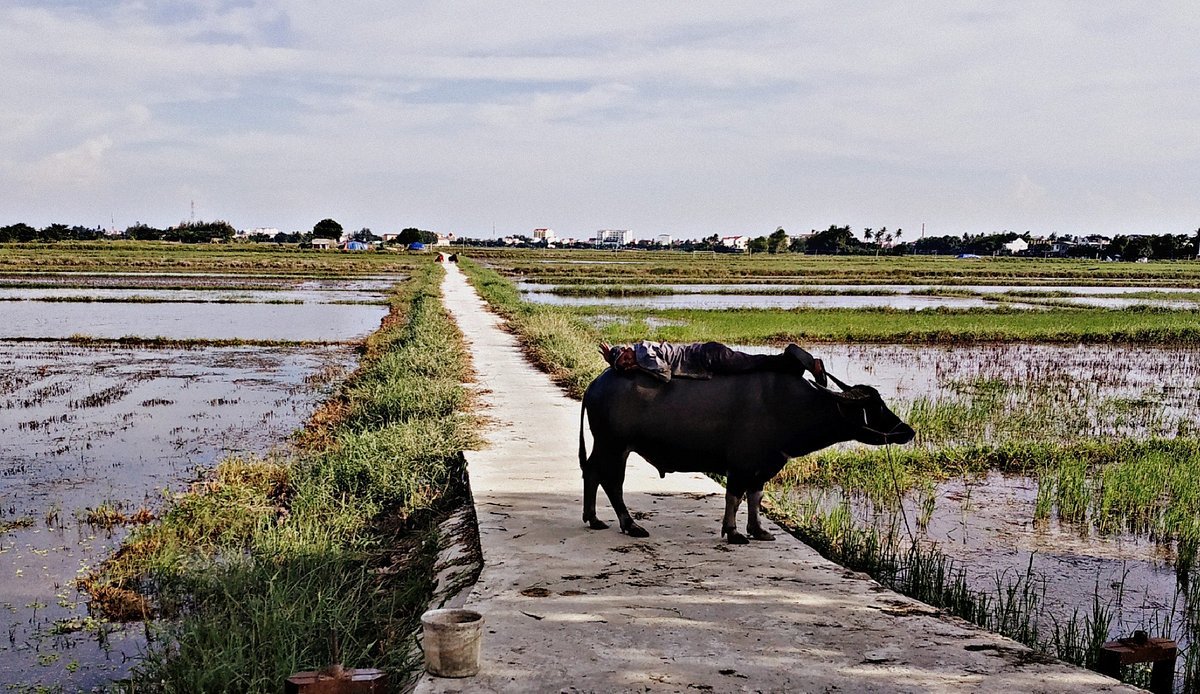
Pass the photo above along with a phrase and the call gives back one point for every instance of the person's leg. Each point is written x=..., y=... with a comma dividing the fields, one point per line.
x=719, y=359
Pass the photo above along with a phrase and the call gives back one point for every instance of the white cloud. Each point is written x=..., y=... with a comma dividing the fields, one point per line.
x=81, y=165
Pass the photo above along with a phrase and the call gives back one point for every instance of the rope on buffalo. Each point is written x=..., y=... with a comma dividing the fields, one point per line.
x=899, y=496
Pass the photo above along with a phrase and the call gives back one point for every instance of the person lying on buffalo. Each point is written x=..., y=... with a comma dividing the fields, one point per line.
x=702, y=360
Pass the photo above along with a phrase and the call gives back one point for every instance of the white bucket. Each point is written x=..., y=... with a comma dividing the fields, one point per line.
x=451, y=642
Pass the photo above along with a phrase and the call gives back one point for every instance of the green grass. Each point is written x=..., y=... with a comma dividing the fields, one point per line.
x=1059, y=325
x=634, y=267
x=268, y=567
x=557, y=340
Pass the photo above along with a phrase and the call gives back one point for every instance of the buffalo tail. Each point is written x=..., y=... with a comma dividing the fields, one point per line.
x=582, y=445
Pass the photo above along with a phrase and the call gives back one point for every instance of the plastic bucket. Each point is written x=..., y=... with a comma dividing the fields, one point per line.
x=451, y=642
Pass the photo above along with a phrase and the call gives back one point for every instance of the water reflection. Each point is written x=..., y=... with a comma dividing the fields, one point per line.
x=84, y=426
x=178, y=321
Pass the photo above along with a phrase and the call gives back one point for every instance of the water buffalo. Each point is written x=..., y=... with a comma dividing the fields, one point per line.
x=744, y=426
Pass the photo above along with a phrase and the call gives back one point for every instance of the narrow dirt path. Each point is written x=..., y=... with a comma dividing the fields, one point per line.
x=569, y=609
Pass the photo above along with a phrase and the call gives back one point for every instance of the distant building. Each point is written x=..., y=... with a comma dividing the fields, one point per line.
x=1016, y=246
x=324, y=244
x=738, y=243
x=663, y=239
x=613, y=237
x=444, y=240
x=544, y=235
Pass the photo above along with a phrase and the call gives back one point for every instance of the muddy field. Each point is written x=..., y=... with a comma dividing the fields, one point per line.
x=85, y=429
x=93, y=436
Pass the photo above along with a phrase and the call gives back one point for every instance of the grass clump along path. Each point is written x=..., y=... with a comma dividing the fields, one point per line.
x=559, y=341
x=272, y=566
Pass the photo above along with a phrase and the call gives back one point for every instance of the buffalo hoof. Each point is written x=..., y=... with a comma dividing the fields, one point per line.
x=635, y=530
x=761, y=535
x=597, y=524
x=735, y=538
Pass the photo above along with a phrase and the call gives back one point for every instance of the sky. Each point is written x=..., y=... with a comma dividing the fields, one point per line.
x=684, y=118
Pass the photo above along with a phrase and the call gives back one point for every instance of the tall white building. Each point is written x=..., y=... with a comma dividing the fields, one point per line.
x=613, y=237
x=545, y=235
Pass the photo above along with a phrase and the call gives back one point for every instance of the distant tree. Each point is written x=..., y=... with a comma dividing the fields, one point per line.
x=834, y=241
x=327, y=229
x=1139, y=247
x=143, y=232
x=200, y=232
x=413, y=235
x=79, y=233
x=55, y=232
x=1134, y=247
x=17, y=232
x=777, y=242
x=757, y=245
x=365, y=235
x=409, y=235
x=883, y=237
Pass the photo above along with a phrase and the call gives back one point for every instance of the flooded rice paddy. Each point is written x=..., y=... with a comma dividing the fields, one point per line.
x=197, y=280
x=777, y=301
x=990, y=525
x=717, y=296
x=158, y=295
x=189, y=321
x=88, y=428
x=82, y=428
x=1117, y=390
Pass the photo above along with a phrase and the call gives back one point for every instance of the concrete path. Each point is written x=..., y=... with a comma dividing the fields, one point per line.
x=573, y=610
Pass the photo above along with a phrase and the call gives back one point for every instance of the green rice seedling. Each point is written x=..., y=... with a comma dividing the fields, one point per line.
x=927, y=502
x=1059, y=325
x=1071, y=490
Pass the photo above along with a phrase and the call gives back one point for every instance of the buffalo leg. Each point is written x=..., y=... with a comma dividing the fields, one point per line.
x=602, y=458
x=591, y=482
x=733, y=499
x=753, y=526
x=606, y=467
x=613, y=482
